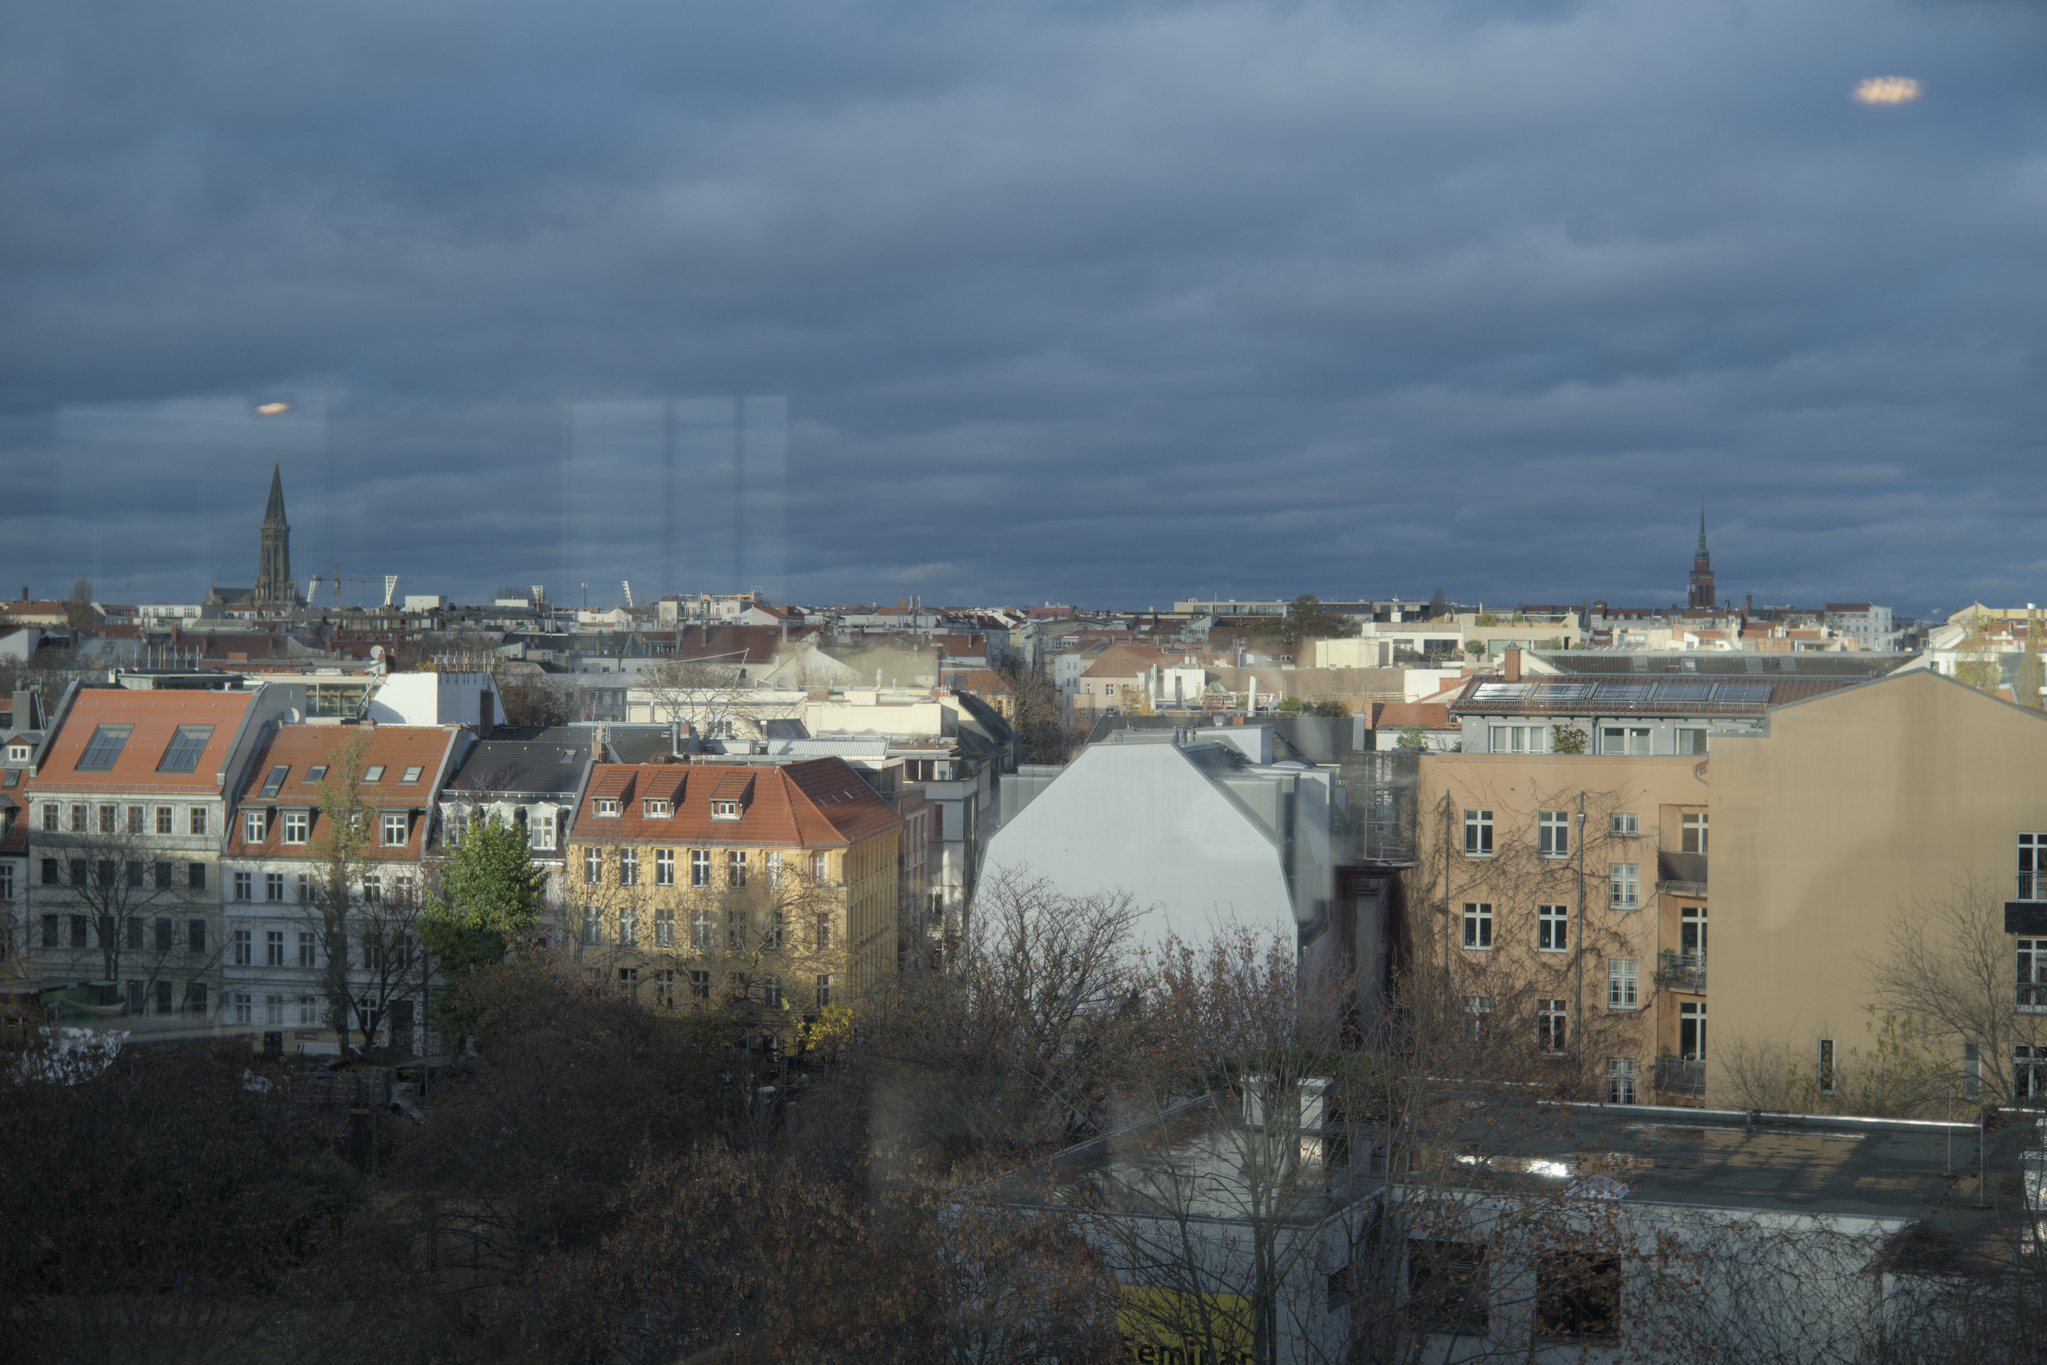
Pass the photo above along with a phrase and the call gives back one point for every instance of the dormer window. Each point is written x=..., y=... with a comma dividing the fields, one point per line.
x=17, y=753
x=659, y=810
x=724, y=810
x=606, y=808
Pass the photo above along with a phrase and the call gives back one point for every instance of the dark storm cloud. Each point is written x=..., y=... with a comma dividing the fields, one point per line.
x=1106, y=302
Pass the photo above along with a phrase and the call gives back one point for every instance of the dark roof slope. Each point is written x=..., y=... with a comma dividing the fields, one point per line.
x=510, y=765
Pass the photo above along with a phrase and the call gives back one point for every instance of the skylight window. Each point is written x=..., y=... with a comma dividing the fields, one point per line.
x=411, y=776
x=275, y=781
x=103, y=748
x=375, y=774
x=316, y=772
x=187, y=744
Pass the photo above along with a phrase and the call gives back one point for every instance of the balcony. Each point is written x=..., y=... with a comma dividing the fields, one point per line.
x=1681, y=1076
x=1681, y=971
x=1681, y=874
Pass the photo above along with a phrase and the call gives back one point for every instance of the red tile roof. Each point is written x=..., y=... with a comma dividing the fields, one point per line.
x=819, y=803
x=155, y=717
x=299, y=748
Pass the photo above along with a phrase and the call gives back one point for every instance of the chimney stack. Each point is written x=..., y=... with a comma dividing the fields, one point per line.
x=1510, y=664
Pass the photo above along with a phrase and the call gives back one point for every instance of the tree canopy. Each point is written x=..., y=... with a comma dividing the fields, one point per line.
x=1307, y=619
x=489, y=899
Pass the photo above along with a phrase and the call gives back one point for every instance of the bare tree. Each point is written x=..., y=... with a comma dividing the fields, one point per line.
x=707, y=693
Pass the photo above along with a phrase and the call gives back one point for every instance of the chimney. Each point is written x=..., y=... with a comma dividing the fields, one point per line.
x=1510, y=665
x=597, y=743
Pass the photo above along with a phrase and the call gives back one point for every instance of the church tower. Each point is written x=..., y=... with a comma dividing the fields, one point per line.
x=1702, y=572
x=274, y=587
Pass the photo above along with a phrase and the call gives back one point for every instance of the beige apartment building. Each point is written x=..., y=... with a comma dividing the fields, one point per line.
x=1898, y=801
x=1562, y=899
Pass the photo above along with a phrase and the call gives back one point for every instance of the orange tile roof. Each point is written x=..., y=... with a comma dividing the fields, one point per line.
x=299, y=748
x=155, y=717
x=819, y=803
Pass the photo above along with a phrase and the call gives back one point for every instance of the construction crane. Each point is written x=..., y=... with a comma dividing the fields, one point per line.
x=337, y=578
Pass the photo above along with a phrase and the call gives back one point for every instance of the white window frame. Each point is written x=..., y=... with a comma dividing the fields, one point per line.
x=1623, y=983
x=664, y=867
x=242, y=948
x=1624, y=886
x=544, y=830
x=1478, y=925
x=395, y=822
x=700, y=867
x=2030, y=958
x=1692, y=741
x=1624, y=824
x=1553, y=833
x=298, y=825
x=1478, y=834
x=1625, y=741
x=2032, y=867
x=1692, y=828
x=245, y=886
x=1553, y=928
x=1621, y=1075
x=254, y=826
x=1552, y=1026
x=605, y=809
x=735, y=869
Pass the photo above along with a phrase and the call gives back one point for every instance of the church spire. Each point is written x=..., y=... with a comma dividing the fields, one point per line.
x=1702, y=531
x=273, y=515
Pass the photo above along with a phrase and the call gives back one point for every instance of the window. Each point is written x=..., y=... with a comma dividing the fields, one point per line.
x=664, y=988
x=195, y=876
x=1691, y=742
x=771, y=994
x=1624, y=740
x=628, y=867
x=658, y=810
x=49, y=931
x=163, y=820
x=773, y=938
x=78, y=931
x=1624, y=885
x=1579, y=1295
x=700, y=930
x=410, y=775
x=6, y=881
x=309, y=1011
x=1446, y=1286
x=700, y=985
x=107, y=821
x=735, y=929
x=273, y=947
x=824, y=933
x=1692, y=932
x=1553, y=833
x=1476, y=1008
x=254, y=824
x=51, y=876
x=824, y=990
x=77, y=819
x=50, y=816
x=1553, y=928
x=1694, y=834
x=308, y=953
x=166, y=936
x=163, y=997
x=103, y=748
x=273, y=781
x=135, y=1005
x=1621, y=993
x=1691, y=1031
x=664, y=927
x=316, y=772
x=1826, y=1066
x=374, y=773
x=195, y=996
x=774, y=870
x=273, y=1009
x=820, y=868
x=735, y=869
x=1478, y=834
x=1519, y=739
x=724, y=810
x=373, y=890
x=458, y=826
x=296, y=825
x=2028, y=1073
x=397, y=828
x=699, y=867
x=593, y=925
x=628, y=926
x=1550, y=1021
x=664, y=867
x=593, y=867
x=2032, y=974
x=304, y=886
x=607, y=809
x=2032, y=866
x=239, y=950
x=543, y=830
x=163, y=876
x=1478, y=924
x=198, y=824
x=183, y=752
x=1623, y=825
x=242, y=1008
x=273, y=886
x=77, y=870
x=135, y=819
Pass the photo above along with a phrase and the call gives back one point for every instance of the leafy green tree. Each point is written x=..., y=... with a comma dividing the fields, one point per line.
x=489, y=899
x=1569, y=739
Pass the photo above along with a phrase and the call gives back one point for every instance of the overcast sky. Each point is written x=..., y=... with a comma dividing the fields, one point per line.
x=1073, y=300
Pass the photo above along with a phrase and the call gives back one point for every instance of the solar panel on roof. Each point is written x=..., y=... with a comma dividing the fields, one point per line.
x=1562, y=691
x=1742, y=692
x=1612, y=691
x=1494, y=691
x=1684, y=692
